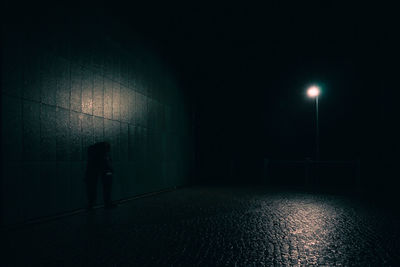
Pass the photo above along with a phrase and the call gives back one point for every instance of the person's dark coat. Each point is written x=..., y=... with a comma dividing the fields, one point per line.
x=99, y=164
x=99, y=159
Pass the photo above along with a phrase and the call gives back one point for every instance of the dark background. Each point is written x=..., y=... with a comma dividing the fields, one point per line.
x=245, y=68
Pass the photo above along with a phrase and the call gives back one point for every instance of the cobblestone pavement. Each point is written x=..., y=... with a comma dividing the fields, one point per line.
x=214, y=226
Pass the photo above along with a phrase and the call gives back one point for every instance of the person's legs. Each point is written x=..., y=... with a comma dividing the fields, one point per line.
x=107, y=186
x=91, y=189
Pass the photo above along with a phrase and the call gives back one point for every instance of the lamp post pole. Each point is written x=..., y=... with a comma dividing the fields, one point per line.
x=316, y=130
x=314, y=92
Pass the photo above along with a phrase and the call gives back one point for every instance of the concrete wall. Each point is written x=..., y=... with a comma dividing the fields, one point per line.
x=66, y=87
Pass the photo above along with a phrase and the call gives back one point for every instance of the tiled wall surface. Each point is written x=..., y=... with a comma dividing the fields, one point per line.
x=61, y=92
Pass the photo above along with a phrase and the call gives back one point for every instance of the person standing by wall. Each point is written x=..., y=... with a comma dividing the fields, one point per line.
x=99, y=164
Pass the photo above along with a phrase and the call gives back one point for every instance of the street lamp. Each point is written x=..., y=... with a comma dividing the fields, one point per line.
x=314, y=92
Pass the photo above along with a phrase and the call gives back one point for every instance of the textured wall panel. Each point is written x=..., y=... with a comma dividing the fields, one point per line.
x=108, y=131
x=116, y=102
x=48, y=175
x=98, y=58
x=31, y=78
x=75, y=136
x=31, y=130
x=141, y=142
x=161, y=117
x=141, y=110
x=63, y=77
x=30, y=188
x=12, y=194
x=87, y=91
x=98, y=128
x=132, y=146
x=108, y=98
x=131, y=106
x=48, y=132
x=140, y=78
x=168, y=118
x=124, y=143
x=87, y=134
x=125, y=70
x=65, y=91
x=76, y=88
x=12, y=61
x=132, y=80
x=98, y=96
x=135, y=108
x=48, y=80
x=123, y=181
x=116, y=67
x=124, y=103
x=62, y=134
x=151, y=113
x=63, y=185
x=108, y=64
x=77, y=183
x=115, y=141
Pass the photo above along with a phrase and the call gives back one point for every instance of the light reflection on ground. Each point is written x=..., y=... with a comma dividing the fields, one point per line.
x=206, y=226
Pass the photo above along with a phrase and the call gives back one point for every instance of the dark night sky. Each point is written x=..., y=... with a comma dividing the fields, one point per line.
x=246, y=66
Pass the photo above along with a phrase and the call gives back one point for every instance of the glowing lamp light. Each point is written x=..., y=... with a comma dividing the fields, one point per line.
x=313, y=91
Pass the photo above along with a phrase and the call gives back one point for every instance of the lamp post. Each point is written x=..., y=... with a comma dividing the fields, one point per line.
x=314, y=92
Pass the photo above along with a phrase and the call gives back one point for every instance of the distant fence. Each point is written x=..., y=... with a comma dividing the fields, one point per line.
x=311, y=172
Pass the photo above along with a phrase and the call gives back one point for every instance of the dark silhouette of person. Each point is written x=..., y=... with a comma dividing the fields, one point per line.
x=99, y=164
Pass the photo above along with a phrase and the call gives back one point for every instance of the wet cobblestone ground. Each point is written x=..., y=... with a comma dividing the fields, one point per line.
x=214, y=226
